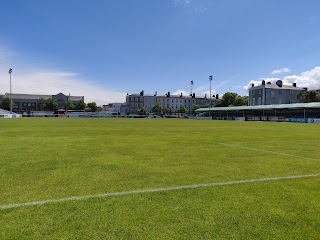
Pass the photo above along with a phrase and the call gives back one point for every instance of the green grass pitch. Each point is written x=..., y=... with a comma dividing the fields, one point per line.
x=53, y=158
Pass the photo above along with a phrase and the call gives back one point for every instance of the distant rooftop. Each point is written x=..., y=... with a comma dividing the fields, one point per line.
x=278, y=85
x=37, y=96
x=164, y=96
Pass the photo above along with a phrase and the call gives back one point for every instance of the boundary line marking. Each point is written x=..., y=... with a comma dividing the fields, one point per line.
x=78, y=198
x=268, y=151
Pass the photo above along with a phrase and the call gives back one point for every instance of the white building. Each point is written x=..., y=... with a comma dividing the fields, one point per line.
x=267, y=93
x=174, y=102
x=115, y=107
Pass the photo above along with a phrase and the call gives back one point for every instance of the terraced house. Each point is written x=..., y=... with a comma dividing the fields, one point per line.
x=174, y=102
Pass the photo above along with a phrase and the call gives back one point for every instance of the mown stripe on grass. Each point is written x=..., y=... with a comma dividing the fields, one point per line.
x=77, y=198
x=268, y=151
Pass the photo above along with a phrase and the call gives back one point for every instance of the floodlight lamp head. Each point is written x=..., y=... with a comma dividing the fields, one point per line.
x=10, y=70
x=210, y=77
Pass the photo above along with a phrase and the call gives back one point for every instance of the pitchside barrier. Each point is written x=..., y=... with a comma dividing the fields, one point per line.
x=10, y=115
x=313, y=120
x=116, y=115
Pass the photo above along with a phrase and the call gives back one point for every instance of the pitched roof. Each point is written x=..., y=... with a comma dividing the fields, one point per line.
x=263, y=107
x=27, y=96
x=275, y=86
x=38, y=96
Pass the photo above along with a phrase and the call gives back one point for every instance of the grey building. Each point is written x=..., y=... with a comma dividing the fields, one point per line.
x=267, y=93
x=174, y=102
x=29, y=102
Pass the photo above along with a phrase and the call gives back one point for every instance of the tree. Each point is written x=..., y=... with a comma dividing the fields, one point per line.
x=143, y=111
x=229, y=98
x=309, y=96
x=70, y=105
x=5, y=104
x=52, y=104
x=232, y=99
x=41, y=104
x=99, y=109
x=194, y=108
x=93, y=106
x=168, y=111
x=182, y=109
x=157, y=108
x=80, y=105
x=220, y=103
x=241, y=101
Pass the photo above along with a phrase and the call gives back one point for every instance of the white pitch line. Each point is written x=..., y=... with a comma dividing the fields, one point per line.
x=268, y=151
x=78, y=198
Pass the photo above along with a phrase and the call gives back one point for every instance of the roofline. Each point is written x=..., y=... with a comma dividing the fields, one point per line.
x=263, y=107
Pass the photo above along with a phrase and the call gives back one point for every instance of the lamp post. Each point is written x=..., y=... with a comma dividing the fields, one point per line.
x=10, y=71
x=191, y=87
x=210, y=79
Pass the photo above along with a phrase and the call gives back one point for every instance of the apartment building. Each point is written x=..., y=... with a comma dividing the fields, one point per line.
x=267, y=93
x=136, y=101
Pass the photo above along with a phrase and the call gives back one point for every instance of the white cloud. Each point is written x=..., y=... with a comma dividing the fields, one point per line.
x=282, y=70
x=50, y=82
x=184, y=92
x=213, y=92
x=198, y=91
x=309, y=79
x=181, y=2
x=200, y=9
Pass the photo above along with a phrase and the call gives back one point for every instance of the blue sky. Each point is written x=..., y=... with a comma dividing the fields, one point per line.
x=104, y=49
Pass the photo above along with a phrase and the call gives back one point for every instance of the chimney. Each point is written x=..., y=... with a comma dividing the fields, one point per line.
x=193, y=95
x=294, y=84
x=181, y=95
x=217, y=96
x=279, y=83
x=252, y=85
x=263, y=82
x=168, y=94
